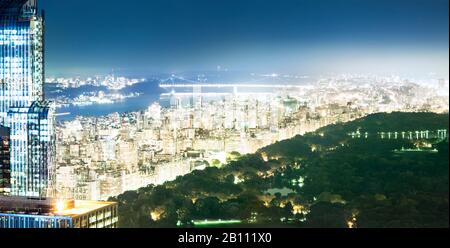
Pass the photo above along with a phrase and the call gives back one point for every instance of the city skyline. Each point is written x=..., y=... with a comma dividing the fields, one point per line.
x=232, y=113
x=303, y=37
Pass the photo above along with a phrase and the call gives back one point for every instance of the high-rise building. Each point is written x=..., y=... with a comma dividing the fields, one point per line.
x=23, y=108
x=27, y=132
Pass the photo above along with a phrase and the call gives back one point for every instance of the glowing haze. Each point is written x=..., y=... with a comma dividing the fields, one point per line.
x=283, y=36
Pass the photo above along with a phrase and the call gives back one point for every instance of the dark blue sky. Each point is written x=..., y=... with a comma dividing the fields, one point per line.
x=303, y=36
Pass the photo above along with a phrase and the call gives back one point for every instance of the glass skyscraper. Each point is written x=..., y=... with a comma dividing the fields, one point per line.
x=23, y=108
x=27, y=133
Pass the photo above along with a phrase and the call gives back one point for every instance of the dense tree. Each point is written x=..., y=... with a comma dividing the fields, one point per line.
x=325, y=214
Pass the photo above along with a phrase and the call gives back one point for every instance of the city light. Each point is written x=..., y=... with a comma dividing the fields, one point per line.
x=60, y=205
x=287, y=131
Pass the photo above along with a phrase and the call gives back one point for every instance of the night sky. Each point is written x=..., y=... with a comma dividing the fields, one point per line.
x=273, y=36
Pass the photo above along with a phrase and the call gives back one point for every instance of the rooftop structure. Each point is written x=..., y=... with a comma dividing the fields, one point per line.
x=25, y=212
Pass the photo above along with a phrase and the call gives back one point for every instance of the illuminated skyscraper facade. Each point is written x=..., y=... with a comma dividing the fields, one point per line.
x=22, y=106
x=27, y=133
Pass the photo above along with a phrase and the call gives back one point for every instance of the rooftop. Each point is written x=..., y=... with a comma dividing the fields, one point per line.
x=50, y=206
x=83, y=207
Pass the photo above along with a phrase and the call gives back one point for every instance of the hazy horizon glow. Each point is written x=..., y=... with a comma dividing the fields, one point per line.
x=300, y=37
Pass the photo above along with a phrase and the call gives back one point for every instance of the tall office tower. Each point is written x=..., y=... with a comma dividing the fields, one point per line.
x=5, y=167
x=23, y=108
x=27, y=132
